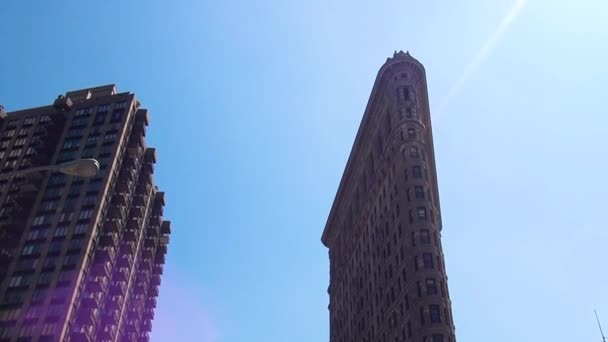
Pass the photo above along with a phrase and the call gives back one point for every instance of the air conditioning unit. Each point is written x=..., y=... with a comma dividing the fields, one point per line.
x=63, y=103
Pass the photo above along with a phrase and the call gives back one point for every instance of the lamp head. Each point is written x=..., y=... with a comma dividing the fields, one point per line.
x=88, y=167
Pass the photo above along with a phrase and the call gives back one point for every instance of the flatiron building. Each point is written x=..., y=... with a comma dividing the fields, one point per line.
x=387, y=276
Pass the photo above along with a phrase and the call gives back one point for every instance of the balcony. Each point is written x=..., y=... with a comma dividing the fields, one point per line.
x=126, y=261
x=143, y=337
x=155, y=220
x=150, y=156
x=127, y=248
x=166, y=227
x=121, y=274
x=104, y=256
x=98, y=284
x=159, y=258
x=138, y=129
x=136, y=212
x=111, y=316
x=132, y=328
x=147, y=253
x=129, y=236
x=155, y=280
x=118, y=288
x=135, y=146
x=139, y=289
x=93, y=301
x=101, y=269
x=108, y=240
x=119, y=199
x=143, y=278
x=146, y=325
x=116, y=302
x=127, y=174
x=159, y=199
x=123, y=186
x=148, y=168
x=110, y=227
x=88, y=316
x=80, y=337
x=134, y=224
x=151, y=302
x=150, y=243
x=153, y=291
x=142, y=116
x=157, y=269
x=145, y=265
x=138, y=200
x=143, y=189
x=149, y=314
x=108, y=332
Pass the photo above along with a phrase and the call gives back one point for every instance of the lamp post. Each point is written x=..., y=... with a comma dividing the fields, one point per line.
x=87, y=167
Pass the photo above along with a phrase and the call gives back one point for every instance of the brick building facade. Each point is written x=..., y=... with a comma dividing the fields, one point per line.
x=80, y=259
x=387, y=276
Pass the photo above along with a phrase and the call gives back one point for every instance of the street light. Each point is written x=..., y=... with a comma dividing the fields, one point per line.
x=87, y=167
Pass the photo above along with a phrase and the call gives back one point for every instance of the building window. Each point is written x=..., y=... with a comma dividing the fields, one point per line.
x=80, y=122
x=121, y=104
x=15, y=281
x=92, y=140
x=45, y=278
x=434, y=313
x=70, y=261
x=103, y=108
x=81, y=228
x=39, y=295
x=15, y=152
x=65, y=278
x=414, y=152
x=100, y=118
x=416, y=172
x=425, y=236
x=411, y=133
x=431, y=286
x=55, y=247
x=29, y=249
x=109, y=138
x=419, y=192
x=75, y=244
x=61, y=231
x=49, y=262
x=66, y=217
x=116, y=115
x=409, y=113
x=36, y=234
x=403, y=93
x=29, y=121
x=427, y=260
x=85, y=214
x=421, y=213
x=437, y=338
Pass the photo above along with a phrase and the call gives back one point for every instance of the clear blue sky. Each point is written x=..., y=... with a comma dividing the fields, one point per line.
x=255, y=105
